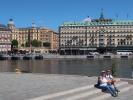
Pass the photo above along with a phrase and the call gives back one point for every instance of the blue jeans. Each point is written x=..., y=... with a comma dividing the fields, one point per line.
x=110, y=89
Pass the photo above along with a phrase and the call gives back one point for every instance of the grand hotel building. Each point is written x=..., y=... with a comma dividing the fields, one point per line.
x=102, y=35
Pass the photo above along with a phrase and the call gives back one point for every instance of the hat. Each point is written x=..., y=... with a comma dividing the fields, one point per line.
x=103, y=71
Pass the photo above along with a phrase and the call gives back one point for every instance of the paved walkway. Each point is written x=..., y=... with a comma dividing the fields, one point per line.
x=39, y=86
x=24, y=86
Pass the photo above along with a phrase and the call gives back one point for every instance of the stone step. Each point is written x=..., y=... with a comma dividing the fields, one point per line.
x=106, y=96
x=74, y=94
x=118, y=85
x=128, y=95
x=62, y=93
x=90, y=94
x=78, y=94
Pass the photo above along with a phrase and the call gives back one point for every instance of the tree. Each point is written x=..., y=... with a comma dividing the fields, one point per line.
x=46, y=44
x=39, y=43
x=22, y=45
x=36, y=43
x=27, y=44
x=14, y=43
x=114, y=68
x=132, y=69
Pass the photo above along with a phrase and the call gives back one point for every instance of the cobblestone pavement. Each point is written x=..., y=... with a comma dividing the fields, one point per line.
x=24, y=86
x=27, y=86
x=124, y=96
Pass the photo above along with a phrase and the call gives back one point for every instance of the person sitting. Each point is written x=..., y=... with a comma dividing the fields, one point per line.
x=110, y=78
x=105, y=84
x=98, y=83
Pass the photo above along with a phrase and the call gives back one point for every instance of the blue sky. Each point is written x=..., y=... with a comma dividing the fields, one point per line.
x=52, y=13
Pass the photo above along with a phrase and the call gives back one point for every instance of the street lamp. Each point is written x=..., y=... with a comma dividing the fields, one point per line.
x=132, y=70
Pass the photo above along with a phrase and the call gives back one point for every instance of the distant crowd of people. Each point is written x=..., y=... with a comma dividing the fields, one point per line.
x=106, y=82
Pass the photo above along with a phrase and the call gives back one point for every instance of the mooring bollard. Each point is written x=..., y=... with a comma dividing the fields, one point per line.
x=17, y=71
x=132, y=73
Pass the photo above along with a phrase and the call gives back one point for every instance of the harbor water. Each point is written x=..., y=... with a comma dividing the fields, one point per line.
x=89, y=67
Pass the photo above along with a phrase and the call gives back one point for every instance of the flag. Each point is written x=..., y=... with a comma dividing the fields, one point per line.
x=127, y=15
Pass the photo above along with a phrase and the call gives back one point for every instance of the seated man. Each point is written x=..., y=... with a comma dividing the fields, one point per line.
x=111, y=79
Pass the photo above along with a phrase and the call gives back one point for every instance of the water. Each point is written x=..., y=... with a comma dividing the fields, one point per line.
x=68, y=66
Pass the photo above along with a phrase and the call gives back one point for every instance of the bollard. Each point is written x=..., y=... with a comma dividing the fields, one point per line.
x=132, y=73
x=17, y=71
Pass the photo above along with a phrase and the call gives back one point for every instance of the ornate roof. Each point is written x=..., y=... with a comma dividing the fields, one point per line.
x=98, y=23
x=88, y=19
x=2, y=26
x=11, y=22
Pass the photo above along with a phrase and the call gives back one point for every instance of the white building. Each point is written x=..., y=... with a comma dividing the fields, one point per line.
x=100, y=35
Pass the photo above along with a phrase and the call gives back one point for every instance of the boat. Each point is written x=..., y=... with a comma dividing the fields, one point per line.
x=90, y=56
x=15, y=57
x=38, y=57
x=3, y=57
x=27, y=57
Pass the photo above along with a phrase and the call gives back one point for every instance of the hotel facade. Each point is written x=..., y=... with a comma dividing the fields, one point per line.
x=101, y=35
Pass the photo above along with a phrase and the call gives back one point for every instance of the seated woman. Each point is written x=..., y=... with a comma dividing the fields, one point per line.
x=110, y=78
x=105, y=84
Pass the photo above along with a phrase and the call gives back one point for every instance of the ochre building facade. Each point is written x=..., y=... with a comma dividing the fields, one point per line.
x=26, y=35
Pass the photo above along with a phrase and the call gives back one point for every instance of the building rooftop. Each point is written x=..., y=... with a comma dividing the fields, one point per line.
x=4, y=28
x=99, y=22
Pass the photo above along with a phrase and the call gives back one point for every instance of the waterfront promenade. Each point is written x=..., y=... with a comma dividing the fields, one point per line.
x=57, y=56
x=56, y=87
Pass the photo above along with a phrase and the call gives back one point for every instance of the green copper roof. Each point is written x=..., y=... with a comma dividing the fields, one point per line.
x=94, y=23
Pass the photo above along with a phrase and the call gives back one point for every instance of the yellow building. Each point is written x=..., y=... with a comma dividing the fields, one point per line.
x=25, y=36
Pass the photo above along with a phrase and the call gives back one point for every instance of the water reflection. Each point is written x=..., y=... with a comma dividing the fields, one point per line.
x=67, y=66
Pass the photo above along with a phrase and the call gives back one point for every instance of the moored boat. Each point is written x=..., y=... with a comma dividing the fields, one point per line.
x=38, y=57
x=27, y=57
x=3, y=57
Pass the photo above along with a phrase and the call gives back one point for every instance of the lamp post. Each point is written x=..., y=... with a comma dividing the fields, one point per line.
x=71, y=48
x=132, y=70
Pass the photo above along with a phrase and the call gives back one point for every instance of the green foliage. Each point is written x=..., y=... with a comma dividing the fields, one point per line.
x=36, y=43
x=132, y=65
x=14, y=43
x=39, y=43
x=46, y=44
x=22, y=45
x=114, y=68
x=27, y=44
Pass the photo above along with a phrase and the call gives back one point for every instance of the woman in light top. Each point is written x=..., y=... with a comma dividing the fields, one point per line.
x=105, y=84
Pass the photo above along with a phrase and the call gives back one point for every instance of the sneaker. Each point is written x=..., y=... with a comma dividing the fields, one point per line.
x=114, y=95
